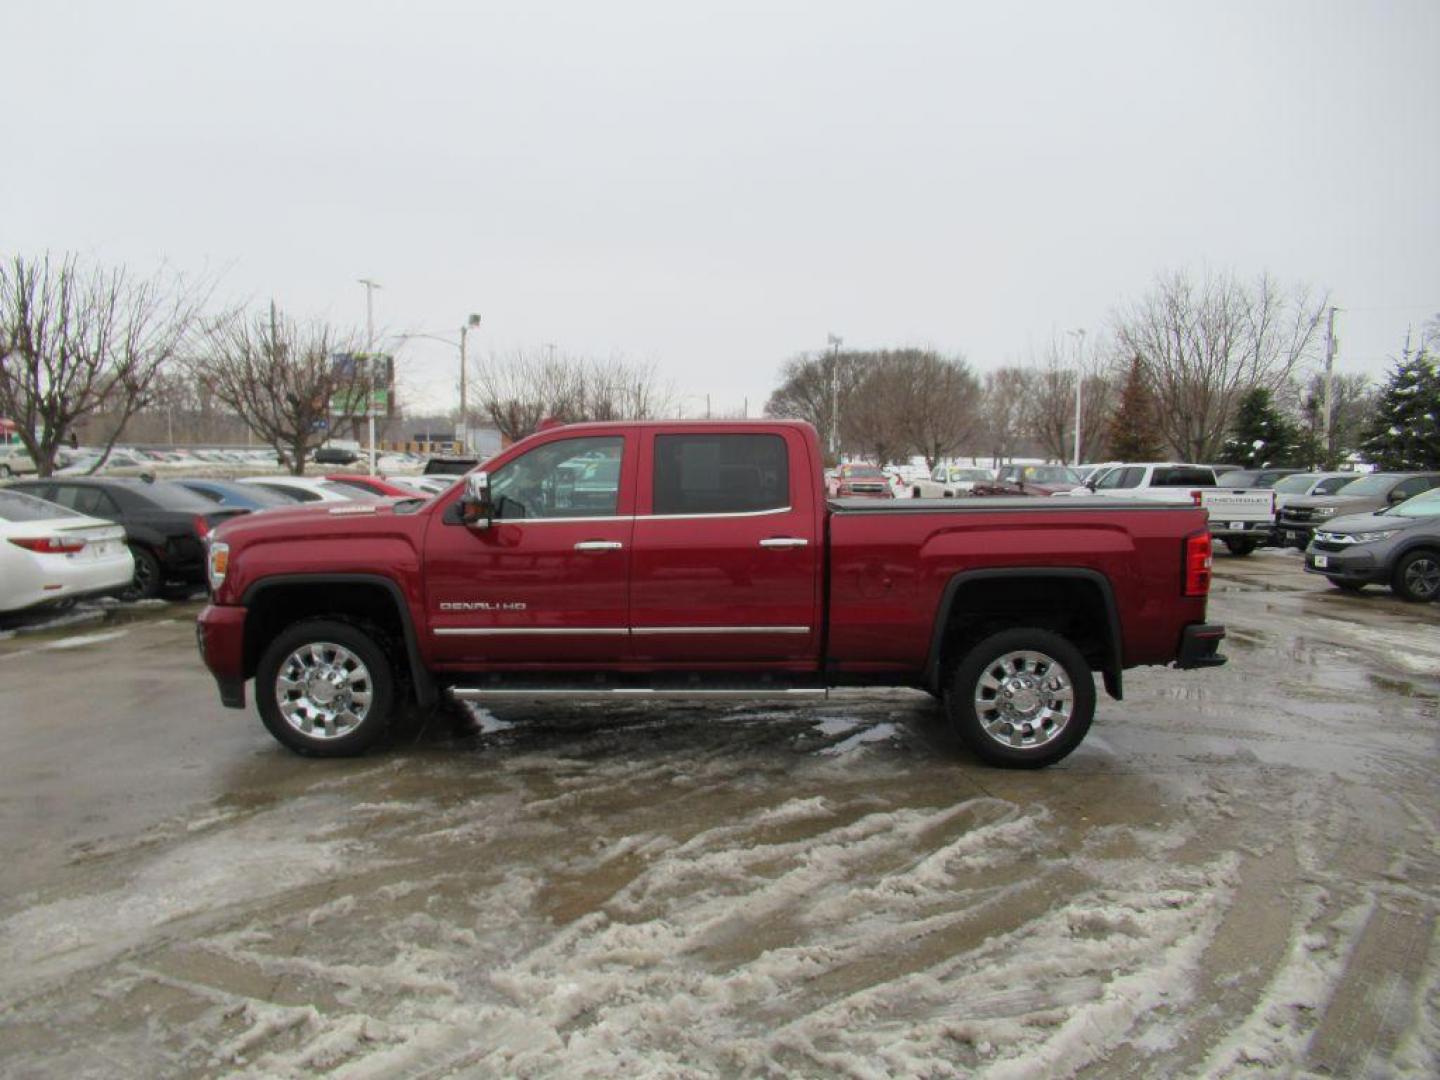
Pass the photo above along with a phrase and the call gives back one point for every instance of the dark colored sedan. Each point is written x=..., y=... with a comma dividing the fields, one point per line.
x=165, y=524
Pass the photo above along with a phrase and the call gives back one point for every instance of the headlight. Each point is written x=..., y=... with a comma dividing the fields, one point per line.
x=219, y=563
x=1355, y=538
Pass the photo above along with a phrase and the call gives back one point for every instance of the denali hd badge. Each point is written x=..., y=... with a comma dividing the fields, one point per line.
x=482, y=605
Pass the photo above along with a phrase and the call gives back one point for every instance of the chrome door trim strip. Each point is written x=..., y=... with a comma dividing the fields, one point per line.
x=656, y=631
x=610, y=631
x=530, y=631
x=697, y=517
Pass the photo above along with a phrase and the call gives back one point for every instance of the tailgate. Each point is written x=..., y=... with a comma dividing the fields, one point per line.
x=1240, y=504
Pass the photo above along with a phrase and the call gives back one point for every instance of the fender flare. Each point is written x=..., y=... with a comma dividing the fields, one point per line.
x=425, y=689
x=1111, y=669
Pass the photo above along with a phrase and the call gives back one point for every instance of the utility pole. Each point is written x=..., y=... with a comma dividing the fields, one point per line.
x=1325, y=417
x=835, y=343
x=463, y=435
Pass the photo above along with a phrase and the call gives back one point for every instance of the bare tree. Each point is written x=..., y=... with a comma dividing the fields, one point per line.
x=811, y=384
x=1003, y=410
x=1205, y=342
x=872, y=417
x=282, y=379
x=76, y=341
x=940, y=406
x=520, y=389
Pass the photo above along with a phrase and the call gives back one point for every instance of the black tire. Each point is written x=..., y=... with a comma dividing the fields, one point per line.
x=1417, y=576
x=915, y=493
x=348, y=659
x=992, y=736
x=148, y=577
x=1347, y=586
x=1240, y=548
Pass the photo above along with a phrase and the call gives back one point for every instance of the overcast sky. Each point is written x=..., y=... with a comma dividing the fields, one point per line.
x=715, y=187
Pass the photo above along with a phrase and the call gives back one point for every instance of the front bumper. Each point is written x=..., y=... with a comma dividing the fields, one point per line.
x=220, y=635
x=1199, y=645
x=1357, y=565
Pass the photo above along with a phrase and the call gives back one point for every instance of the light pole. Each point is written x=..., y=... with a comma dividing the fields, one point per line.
x=835, y=341
x=472, y=322
x=370, y=287
x=462, y=436
x=1079, y=382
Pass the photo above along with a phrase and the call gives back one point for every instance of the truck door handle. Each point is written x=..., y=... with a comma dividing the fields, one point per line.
x=784, y=542
x=599, y=545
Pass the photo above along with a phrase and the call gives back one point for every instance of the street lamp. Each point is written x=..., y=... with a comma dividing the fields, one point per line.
x=370, y=287
x=462, y=435
x=834, y=341
x=1079, y=382
x=472, y=322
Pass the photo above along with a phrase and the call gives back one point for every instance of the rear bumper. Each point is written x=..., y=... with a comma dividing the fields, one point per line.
x=220, y=635
x=1199, y=645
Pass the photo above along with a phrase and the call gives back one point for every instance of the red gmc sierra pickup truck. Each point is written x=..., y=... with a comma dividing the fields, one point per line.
x=637, y=560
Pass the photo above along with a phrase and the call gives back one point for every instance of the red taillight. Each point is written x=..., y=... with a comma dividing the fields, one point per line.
x=202, y=527
x=1197, y=564
x=49, y=545
x=1195, y=497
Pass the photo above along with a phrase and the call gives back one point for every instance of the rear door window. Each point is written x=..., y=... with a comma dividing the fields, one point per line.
x=720, y=474
x=86, y=500
x=1182, y=476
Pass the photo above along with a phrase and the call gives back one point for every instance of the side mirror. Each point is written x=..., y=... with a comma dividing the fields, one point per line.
x=1090, y=484
x=1395, y=497
x=476, y=508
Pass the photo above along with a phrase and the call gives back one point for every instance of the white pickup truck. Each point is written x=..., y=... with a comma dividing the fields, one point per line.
x=1242, y=517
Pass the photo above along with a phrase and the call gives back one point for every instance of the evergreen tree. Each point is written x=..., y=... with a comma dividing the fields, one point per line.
x=1131, y=434
x=1261, y=435
x=1405, y=433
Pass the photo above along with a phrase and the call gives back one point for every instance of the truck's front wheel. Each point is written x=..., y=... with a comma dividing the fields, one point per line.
x=1022, y=698
x=325, y=688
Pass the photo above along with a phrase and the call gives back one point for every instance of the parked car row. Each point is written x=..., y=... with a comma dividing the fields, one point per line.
x=70, y=537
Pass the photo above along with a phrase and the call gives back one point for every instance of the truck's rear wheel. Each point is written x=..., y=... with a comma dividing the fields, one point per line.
x=1241, y=546
x=326, y=688
x=1022, y=698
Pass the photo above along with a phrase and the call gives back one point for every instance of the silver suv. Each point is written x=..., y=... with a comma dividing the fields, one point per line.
x=1398, y=546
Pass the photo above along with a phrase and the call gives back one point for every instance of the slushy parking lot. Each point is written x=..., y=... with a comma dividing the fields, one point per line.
x=1236, y=873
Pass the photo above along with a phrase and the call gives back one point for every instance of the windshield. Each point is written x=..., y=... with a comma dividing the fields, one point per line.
x=1374, y=484
x=17, y=506
x=863, y=472
x=1426, y=504
x=1298, y=484
x=1049, y=474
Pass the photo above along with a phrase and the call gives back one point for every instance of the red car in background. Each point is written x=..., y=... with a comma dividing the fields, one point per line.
x=860, y=481
x=1030, y=480
x=377, y=486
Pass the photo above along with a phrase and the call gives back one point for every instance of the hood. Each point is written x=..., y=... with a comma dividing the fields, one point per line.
x=312, y=519
x=1357, y=523
x=1355, y=503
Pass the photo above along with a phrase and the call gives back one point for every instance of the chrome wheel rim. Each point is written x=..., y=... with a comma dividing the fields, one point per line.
x=323, y=690
x=1422, y=577
x=1024, y=699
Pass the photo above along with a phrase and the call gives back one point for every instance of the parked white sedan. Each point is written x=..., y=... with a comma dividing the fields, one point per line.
x=308, y=489
x=50, y=554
